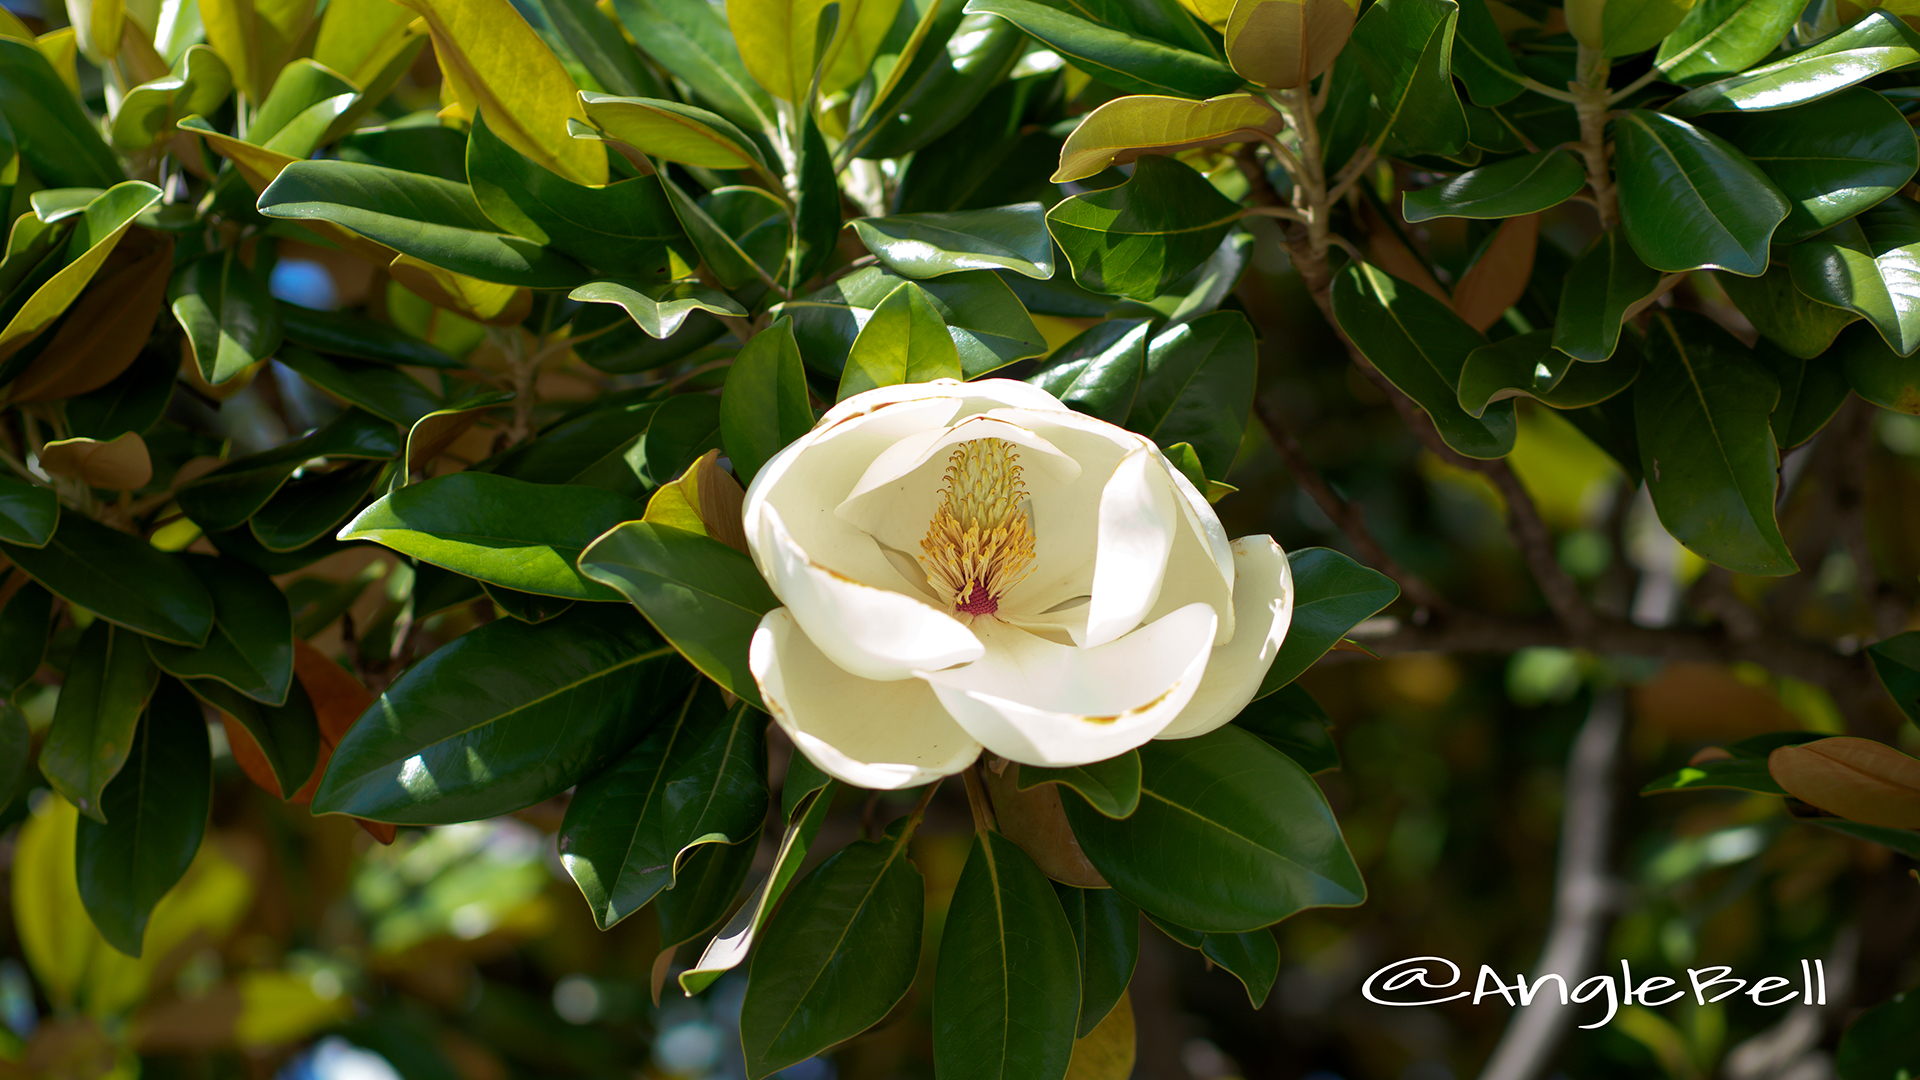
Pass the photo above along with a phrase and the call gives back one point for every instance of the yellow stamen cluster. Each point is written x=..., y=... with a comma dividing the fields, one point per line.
x=980, y=542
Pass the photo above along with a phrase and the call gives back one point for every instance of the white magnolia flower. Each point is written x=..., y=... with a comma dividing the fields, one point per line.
x=969, y=564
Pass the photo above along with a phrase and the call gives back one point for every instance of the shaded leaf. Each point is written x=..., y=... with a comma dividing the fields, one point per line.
x=121, y=578
x=109, y=680
x=1688, y=199
x=1521, y=185
x=1136, y=239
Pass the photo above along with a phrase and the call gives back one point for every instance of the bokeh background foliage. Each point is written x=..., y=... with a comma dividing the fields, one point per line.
x=377, y=359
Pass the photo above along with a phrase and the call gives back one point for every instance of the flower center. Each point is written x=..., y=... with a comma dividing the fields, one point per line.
x=980, y=542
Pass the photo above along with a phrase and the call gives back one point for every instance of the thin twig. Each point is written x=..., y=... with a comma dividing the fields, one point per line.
x=983, y=820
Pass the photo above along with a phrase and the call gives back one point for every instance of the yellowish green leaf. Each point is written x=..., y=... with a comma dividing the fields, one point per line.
x=120, y=464
x=256, y=38
x=1126, y=127
x=98, y=229
x=1285, y=43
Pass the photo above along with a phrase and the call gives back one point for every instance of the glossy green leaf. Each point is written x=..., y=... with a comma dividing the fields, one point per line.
x=96, y=231
x=1869, y=265
x=530, y=608
x=837, y=956
x=226, y=497
x=24, y=629
x=1252, y=957
x=1511, y=188
x=674, y=132
x=703, y=596
x=1528, y=364
x=297, y=87
x=251, y=646
x=1701, y=407
x=698, y=778
x=1720, y=37
x=597, y=441
x=433, y=220
x=1405, y=50
x=197, y=85
x=1006, y=993
x=133, y=402
x=803, y=779
x=1421, y=346
x=1124, y=58
x=503, y=717
x=623, y=228
x=929, y=245
x=721, y=252
x=1106, y=935
x=109, y=680
x=690, y=39
x=1198, y=387
x=1099, y=371
x=660, y=308
x=709, y=883
x=54, y=136
x=1136, y=239
x=1879, y=1045
x=28, y=513
x=1875, y=372
x=1481, y=59
x=1897, y=661
x=1800, y=325
x=1832, y=158
x=1811, y=392
x=1734, y=773
x=1878, y=43
x=683, y=428
x=313, y=506
x=380, y=389
x=817, y=216
x=1111, y=786
x=1231, y=835
x=764, y=406
x=120, y=578
x=156, y=816
x=1332, y=595
x=1688, y=199
x=732, y=943
x=231, y=321
x=497, y=529
x=287, y=734
x=904, y=341
x=1290, y=721
x=987, y=322
x=962, y=61
x=601, y=49
x=1606, y=282
x=342, y=334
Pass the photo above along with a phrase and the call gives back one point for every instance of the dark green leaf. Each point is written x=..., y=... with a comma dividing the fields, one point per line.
x=24, y=628
x=288, y=735
x=1252, y=957
x=311, y=507
x=1481, y=59
x=1290, y=721
x=623, y=228
x=1688, y=199
x=132, y=402
x=1904, y=841
x=703, y=596
x=1869, y=265
x=297, y=87
x=1719, y=37
x=601, y=49
x=16, y=748
x=226, y=497
x=659, y=308
x=120, y=578
x=1138, y=238
x=1897, y=661
x=1343, y=122
x=683, y=428
x=592, y=442
x=1099, y=371
x=1797, y=323
x=1877, y=373
x=1528, y=364
x=1198, y=388
x=1006, y=993
x=1123, y=58
x=764, y=406
x=54, y=136
x=531, y=608
x=837, y=956
x=962, y=60
x=1511, y=188
x=1421, y=346
x=156, y=815
x=929, y=245
x=28, y=513
x=817, y=218
x=1231, y=835
x=1735, y=773
x=1106, y=934
x=1111, y=786
x=1878, y=43
x=108, y=683
x=381, y=389
x=1701, y=407
x=1810, y=393
x=904, y=341
x=503, y=717
x=498, y=529
x=690, y=39
x=803, y=779
x=251, y=646
x=731, y=265
x=1405, y=48
x=709, y=882
x=1880, y=1045
x=1832, y=158
x=1331, y=595
x=1606, y=282
x=433, y=220
x=731, y=944
x=343, y=334
x=987, y=322
x=698, y=778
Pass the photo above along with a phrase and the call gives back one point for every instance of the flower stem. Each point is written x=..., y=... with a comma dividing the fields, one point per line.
x=983, y=820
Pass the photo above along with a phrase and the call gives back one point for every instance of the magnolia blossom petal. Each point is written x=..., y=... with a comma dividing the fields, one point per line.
x=971, y=397
x=1193, y=577
x=873, y=633
x=1201, y=518
x=1042, y=703
x=1138, y=519
x=1263, y=608
x=883, y=735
